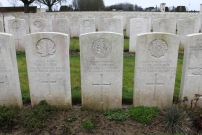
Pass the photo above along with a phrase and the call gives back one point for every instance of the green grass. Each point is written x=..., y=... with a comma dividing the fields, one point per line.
x=116, y=114
x=143, y=114
x=7, y=117
x=37, y=117
x=88, y=124
x=128, y=74
x=178, y=76
x=22, y=69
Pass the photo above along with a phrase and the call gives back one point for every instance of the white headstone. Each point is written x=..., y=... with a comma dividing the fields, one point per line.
x=35, y=16
x=60, y=15
x=201, y=9
x=17, y=28
x=6, y=19
x=38, y=25
x=26, y=18
x=164, y=25
x=155, y=69
x=163, y=7
x=137, y=26
x=1, y=26
x=10, y=93
x=101, y=70
x=61, y=25
x=113, y=25
x=128, y=25
x=123, y=21
x=74, y=26
x=49, y=17
x=191, y=81
x=47, y=56
x=87, y=25
x=184, y=27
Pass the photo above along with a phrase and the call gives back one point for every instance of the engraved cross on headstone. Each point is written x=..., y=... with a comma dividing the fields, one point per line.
x=101, y=86
x=49, y=82
x=155, y=84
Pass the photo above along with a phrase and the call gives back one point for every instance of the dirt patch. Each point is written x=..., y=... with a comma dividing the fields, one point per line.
x=70, y=122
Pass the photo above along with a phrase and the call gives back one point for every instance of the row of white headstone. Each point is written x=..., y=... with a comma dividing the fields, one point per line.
x=101, y=60
x=137, y=26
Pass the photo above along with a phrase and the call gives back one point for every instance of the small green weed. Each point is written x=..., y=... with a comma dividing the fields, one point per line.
x=143, y=114
x=116, y=114
x=37, y=117
x=71, y=119
x=7, y=115
x=88, y=124
x=65, y=129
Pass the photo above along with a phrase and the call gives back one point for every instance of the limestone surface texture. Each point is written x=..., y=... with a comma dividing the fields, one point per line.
x=74, y=23
x=1, y=26
x=123, y=20
x=87, y=25
x=113, y=25
x=101, y=59
x=191, y=81
x=185, y=27
x=10, y=92
x=47, y=56
x=38, y=25
x=164, y=25
x=128, y=25
x=17, y=27
x=6, y=19
x=155, y=69
x=137, y=26
x=61, y=25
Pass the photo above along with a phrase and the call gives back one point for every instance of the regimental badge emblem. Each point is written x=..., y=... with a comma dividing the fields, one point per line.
x=138, y=25
x=86, y=24
x=158, y=48
x=162, y=24
x=101, y=48
x=37, y=24
x=45, y=47
x=16, y=25
x=187, y=24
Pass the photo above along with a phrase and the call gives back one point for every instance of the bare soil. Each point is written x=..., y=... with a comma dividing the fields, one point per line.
x=70, y=122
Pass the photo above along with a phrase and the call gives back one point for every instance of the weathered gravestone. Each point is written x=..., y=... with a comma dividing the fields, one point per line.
x=17, y=28
x=35, y=16
x=61, y=25
x=101, y=70
x=128, y=25
x=184, y=27
x=6, y=19
x=113, y=25
x=155, y=69
x=164, y=25
x=123, y=21
x=74, y=25
x=191, y=82
x=10, y=93
x=38, y=25
x=26, y=18
x=47, y=56
x=87, y=25
x=137, y=26
x=49, y=17
x=1, y=26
